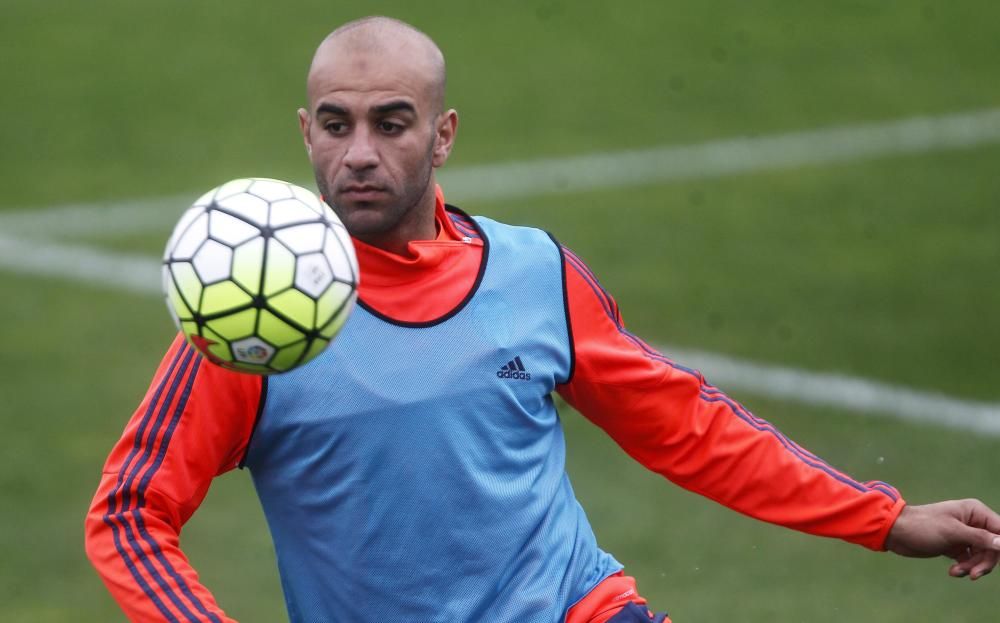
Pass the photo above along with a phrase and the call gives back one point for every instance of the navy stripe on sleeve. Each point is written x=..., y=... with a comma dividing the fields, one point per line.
x=141, y=499
x=131, y=505
x=183, y=359
x=711, y=394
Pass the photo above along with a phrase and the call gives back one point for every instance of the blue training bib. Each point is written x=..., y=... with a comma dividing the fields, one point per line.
x=415, y=472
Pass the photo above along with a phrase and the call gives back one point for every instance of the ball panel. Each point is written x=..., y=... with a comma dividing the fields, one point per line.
x=309, y=198
x=222, y=297
x=313, y=274
x=189, y=241
x=295, y=306
x=302, y=238
x=331, y=328
x=173, y=314
x=213, y=262
x=340, y=251
x=270, y=190
x=187, y=283
x=189, y=329
x=247, y=207
x=279, y=273
x=232, y=188
x=229, y=229
x=248, y=262
x=288, y=356
x=214, y=346
x=332, y=300
x=277, y=331
x=315, y=348
x=235, y=326
x=165, y=276
x=182, y=226
x=289, y=211
x=176, y=304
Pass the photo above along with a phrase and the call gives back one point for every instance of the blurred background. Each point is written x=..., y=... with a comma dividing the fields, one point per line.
x=762, y=192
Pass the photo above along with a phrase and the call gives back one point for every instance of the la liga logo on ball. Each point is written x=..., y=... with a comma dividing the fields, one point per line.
x=260, y=275
x=256, y=352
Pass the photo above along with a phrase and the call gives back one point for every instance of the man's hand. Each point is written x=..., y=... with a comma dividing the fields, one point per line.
x=966, y=531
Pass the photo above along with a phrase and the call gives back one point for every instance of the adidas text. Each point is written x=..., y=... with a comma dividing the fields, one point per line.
x=513, y=374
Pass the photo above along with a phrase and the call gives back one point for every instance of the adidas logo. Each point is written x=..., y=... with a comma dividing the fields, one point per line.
x=514, y=370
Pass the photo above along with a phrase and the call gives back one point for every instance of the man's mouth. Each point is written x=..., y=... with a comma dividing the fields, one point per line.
x=361, y=192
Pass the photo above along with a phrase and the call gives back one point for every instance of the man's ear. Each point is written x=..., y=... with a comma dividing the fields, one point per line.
x=304, y=128
x=444, y=138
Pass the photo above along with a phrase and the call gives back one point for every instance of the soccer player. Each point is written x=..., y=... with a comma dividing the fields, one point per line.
x=415, y=471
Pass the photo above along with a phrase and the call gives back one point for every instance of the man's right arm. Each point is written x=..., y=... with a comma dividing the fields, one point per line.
x=193, y=424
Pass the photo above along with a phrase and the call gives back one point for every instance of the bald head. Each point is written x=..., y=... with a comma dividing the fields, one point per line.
x=370, y=41
x=376, y=129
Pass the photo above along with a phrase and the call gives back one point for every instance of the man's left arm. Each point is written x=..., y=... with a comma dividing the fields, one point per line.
x=672, y=421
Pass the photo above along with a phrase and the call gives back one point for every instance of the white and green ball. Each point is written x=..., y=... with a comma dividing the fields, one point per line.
x=259, y=275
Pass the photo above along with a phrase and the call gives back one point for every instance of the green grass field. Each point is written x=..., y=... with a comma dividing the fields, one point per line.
x=883, y=268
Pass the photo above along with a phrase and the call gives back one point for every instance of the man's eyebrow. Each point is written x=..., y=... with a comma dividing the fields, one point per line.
x=333, y=109
x=394, y=106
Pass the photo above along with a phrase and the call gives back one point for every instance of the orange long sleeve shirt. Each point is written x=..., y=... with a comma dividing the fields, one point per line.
x=196, y=421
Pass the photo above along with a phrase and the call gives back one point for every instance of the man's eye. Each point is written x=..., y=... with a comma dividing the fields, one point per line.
x=389, y=127
x=335, y=127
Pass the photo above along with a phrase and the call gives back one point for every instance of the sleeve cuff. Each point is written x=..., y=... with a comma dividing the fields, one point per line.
x=890, y=520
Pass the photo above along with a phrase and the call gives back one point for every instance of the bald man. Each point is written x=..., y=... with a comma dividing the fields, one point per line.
x=414, y=472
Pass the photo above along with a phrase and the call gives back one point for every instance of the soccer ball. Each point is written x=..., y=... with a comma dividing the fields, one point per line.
x=259, y=275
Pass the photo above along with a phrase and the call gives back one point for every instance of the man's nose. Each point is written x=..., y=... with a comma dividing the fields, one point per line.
x=361, y=152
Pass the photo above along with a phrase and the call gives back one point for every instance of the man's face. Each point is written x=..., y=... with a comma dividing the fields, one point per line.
x=372, y=131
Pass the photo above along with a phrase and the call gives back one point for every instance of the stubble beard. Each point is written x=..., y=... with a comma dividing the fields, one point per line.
x=390, y=216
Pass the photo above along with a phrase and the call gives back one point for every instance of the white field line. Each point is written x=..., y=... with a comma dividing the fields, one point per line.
x=530, y=178
x=727, y=157
x=81, y=264
x=141, y=274
x=843, y=392
x=107, y=219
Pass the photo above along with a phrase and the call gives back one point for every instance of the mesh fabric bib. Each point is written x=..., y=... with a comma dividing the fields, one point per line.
x=415, y=472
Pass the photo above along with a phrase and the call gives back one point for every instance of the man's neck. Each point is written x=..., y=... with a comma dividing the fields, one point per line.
x=419, y=224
